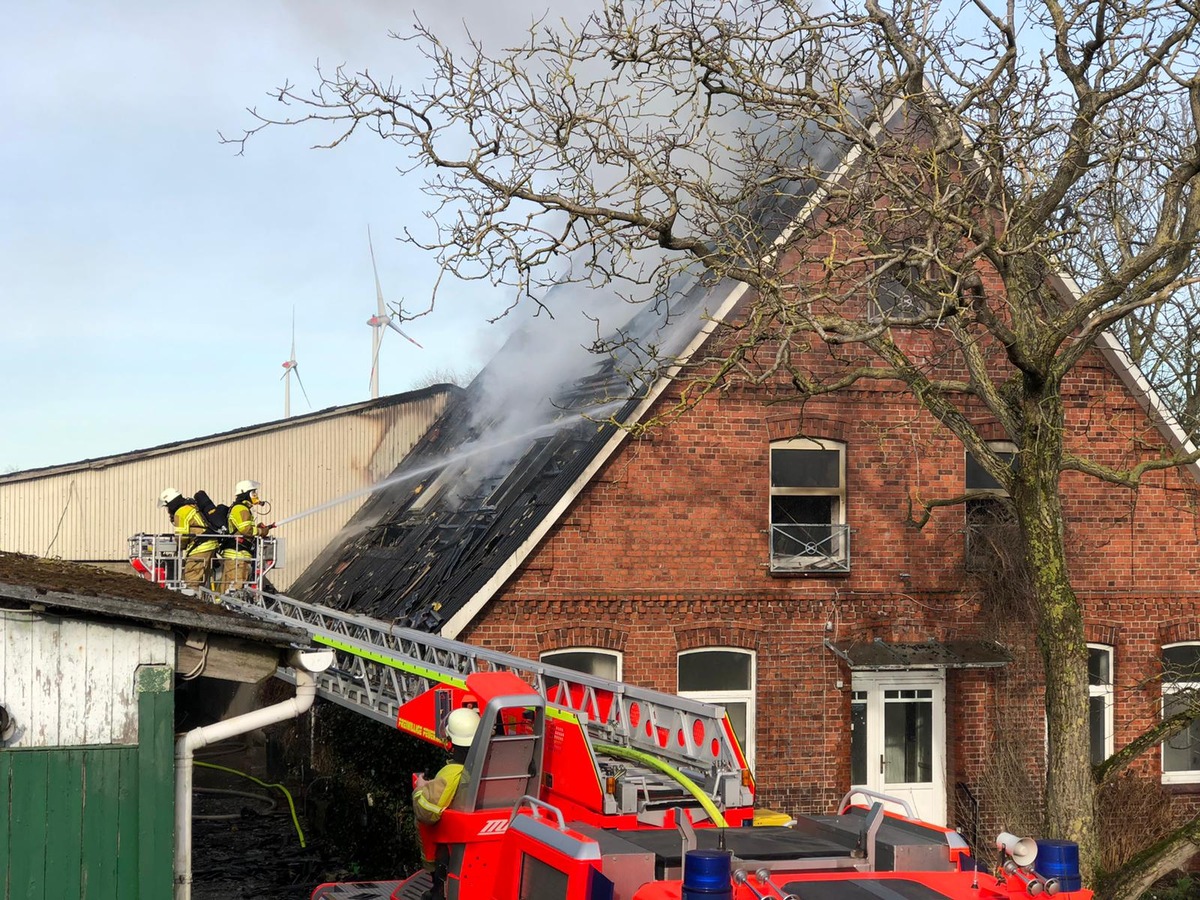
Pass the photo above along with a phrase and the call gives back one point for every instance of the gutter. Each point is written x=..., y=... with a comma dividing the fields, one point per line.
x=306, y=663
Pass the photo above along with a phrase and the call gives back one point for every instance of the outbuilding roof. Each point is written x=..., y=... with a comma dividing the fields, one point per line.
x=28, y=581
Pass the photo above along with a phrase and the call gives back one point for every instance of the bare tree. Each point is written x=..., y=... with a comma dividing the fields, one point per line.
x=1016, y=181
x=1164, y=340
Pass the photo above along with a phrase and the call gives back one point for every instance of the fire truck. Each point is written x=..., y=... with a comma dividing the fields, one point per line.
x=582, y=788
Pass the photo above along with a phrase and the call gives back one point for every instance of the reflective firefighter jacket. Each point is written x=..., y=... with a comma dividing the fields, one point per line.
x=188, y=524
x=241, y=526
x=434, y=796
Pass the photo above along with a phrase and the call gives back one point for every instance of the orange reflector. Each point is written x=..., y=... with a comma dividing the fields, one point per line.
x=610, y=786
x=747, y=780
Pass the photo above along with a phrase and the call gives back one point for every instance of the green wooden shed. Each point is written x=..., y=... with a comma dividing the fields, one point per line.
x=88, y=663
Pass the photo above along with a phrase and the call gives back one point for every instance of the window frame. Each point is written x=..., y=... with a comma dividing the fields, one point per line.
x=893, y=304
x=995, y=495
x=747, y=695
x=839, y=541
x=1169, y=688
x=1106, y=692
x=616, y=655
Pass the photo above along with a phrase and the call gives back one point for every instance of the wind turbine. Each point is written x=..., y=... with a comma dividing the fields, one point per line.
x=290, y=368
x=378, y=322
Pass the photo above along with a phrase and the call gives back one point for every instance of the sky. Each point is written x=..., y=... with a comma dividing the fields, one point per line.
x=149, y=275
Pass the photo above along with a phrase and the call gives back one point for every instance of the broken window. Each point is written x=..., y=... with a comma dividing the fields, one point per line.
x=895, y=302
x=808, y=503
x=991, y=524
x=723, y=677
x=588, y=660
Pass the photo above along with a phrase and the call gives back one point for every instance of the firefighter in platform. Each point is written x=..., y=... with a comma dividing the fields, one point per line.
x=198, y=550
x=432, y=796
x=237, y=558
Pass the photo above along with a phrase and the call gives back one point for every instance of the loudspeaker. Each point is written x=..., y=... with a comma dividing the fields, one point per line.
x=1022, y=850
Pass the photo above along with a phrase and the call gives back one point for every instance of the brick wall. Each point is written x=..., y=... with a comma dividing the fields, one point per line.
x=667, y=549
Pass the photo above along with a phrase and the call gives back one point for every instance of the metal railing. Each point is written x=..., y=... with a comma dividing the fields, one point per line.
x=810, y=547
x=966, y=815
x=159, y=559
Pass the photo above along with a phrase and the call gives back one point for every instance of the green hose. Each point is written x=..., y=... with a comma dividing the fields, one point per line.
x=291, y=805
x=655, y=763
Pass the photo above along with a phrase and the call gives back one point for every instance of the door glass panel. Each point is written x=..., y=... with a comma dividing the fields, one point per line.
x=858, y=738
x=908, y=736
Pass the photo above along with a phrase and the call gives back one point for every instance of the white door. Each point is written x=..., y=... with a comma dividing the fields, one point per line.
x=898, y=738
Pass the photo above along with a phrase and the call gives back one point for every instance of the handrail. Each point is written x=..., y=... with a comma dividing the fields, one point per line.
x=867, y=792
x=534, y=805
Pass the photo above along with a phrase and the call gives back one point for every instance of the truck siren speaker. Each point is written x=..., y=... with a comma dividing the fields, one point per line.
x=1022, y=850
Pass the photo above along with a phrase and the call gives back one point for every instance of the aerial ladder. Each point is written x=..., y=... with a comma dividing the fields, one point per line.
x=581, y=788
x=584, y=788
x=612, y=752
x=613, y=749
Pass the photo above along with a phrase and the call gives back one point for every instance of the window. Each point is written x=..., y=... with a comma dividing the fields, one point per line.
x=540, y=880
x=725, y=678
x=990, y=520
x=808, y=506
x=1181, y=679
x=893, y=302
x=591, y=661
x=1100, y=701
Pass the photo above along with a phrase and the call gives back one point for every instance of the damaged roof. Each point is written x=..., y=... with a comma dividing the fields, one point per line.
x=439, y=536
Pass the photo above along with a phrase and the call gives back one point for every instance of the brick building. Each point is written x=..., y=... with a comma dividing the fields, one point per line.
x=759, y=552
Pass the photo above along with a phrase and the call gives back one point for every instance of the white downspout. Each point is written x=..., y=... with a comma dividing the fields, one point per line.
x=305, y=663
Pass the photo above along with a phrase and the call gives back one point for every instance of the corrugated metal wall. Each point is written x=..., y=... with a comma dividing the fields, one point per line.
x=87, y=511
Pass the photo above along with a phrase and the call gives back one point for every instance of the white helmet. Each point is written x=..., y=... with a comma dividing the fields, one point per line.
x=460, y=727
x=246, y=487
x=167, y=496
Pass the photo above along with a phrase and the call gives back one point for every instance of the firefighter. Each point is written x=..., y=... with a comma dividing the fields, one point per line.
x=198, y=551
x=238, y=555
x=432, y=796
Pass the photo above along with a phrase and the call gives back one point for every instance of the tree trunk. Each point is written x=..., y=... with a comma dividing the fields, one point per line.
x=1070, y=792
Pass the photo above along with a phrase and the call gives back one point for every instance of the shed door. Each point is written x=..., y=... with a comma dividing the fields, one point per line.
x=898, y=739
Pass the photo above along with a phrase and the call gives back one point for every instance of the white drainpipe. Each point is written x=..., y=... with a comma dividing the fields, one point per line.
x=305, y=663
